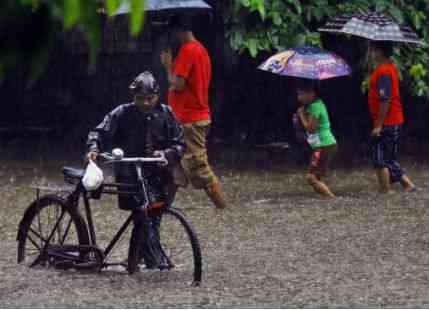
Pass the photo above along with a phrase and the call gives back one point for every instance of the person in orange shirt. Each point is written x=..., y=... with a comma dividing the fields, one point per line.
x=189, y=76
x=385, y=109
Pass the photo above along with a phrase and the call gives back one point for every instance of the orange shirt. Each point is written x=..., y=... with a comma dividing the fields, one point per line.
x=394, y=115
x=191, y=104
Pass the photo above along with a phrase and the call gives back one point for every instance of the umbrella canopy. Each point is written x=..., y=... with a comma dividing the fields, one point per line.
x=308, y=63
x=167, y=6
x=372, y=26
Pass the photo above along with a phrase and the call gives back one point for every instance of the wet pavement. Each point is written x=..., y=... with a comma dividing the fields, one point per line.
x=278, y=245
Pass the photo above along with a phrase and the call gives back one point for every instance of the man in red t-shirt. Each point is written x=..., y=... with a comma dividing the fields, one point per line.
x=189, y=77
x=385, y=109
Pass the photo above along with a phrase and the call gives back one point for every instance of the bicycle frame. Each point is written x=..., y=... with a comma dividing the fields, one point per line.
x=112, y=188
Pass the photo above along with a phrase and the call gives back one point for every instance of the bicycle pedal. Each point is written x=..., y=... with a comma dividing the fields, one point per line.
x=63, y=265
x=87, y=266
x=164, y=267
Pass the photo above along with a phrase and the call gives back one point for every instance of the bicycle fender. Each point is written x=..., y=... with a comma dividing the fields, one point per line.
x=33, y=207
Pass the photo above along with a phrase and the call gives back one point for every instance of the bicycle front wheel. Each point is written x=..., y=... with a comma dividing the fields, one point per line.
x=48, y=219
x=180, y=245
x=171, y=244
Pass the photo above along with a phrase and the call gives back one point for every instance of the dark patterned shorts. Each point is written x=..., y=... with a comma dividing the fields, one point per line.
x=384, y=151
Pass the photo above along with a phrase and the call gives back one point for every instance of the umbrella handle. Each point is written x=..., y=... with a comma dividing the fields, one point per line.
x=365, y=61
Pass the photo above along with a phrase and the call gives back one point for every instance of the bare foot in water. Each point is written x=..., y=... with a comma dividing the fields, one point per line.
x=409, y=189
x=407, y=184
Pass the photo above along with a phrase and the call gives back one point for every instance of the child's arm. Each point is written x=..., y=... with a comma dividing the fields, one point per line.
x=309, y=122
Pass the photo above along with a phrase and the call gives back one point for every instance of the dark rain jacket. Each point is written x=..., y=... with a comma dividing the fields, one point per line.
x=139, y=134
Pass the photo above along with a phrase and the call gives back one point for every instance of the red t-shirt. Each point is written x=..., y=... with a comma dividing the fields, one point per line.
x=394, y=115
x=191, y=104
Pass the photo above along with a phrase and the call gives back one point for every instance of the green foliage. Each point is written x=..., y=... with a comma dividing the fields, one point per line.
x=258, y=25
x=269, y=25
x=28, y=28
x=137, y=16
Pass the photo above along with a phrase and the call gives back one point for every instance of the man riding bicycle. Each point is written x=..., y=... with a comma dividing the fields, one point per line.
x=144, y=127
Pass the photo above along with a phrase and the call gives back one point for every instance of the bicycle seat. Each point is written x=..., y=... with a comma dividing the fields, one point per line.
x=73, y=173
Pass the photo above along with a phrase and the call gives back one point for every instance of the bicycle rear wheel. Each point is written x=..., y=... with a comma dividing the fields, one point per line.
x=175, y=243
x=49, y=216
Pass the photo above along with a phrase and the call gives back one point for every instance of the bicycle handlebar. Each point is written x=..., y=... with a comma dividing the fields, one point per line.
x=113, y=159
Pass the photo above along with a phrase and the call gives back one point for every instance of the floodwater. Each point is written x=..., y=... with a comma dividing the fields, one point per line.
x=278, y=244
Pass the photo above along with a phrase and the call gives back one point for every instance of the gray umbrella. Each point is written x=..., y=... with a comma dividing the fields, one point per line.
x=168, y=6
x=372, y=26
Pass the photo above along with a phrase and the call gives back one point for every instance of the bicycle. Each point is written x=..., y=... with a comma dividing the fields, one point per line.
x=53, y=232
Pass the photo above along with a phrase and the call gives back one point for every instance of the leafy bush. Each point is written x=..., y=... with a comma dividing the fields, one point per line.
x=28, y=28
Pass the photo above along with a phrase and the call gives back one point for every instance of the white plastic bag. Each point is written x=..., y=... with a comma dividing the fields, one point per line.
x=93, y=177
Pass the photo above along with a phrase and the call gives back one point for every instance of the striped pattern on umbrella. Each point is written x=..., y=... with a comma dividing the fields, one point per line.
x=371, y=26
x=167, y=6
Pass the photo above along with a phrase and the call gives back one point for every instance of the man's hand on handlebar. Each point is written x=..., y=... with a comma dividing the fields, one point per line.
x=161, y=154
x=92, y=155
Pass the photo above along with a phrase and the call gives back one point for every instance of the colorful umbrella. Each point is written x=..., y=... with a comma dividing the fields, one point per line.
x=372, y=26
x=308, y=63
x=167, y=6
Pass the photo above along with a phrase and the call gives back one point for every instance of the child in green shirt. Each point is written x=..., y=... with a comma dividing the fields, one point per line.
x=315, y=120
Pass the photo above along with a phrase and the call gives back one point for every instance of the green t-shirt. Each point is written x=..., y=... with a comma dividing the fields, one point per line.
x=323, y=135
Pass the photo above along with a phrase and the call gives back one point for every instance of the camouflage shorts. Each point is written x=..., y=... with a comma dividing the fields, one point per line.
x=195, y=168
